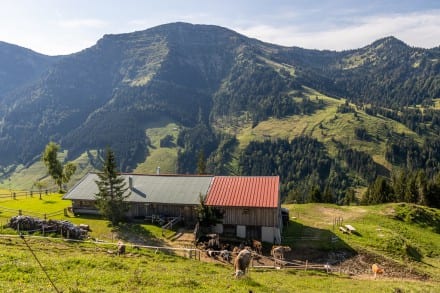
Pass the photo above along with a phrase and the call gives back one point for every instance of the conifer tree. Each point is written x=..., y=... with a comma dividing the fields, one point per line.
x=201, y=163
x=112, y=191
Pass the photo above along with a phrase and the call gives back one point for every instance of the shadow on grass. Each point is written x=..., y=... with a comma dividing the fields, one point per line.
x=316, y=245
x=138, y=234
x=49, y=202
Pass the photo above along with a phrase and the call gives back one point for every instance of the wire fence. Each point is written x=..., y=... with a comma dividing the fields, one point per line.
x=192, y=253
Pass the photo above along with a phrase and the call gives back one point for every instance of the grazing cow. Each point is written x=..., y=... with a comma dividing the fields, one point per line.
x=213, y=242
x=257, y=246
x=225, y=255
x=377, y=270
x=241, y=263
x=121, y=247
x=278, y=251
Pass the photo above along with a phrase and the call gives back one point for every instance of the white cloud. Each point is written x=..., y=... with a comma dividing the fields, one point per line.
x=83, y=23
x=416, y=29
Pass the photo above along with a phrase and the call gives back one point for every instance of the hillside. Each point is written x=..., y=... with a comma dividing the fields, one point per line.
x=402, y=238
x=222, y=91
x=20, y=67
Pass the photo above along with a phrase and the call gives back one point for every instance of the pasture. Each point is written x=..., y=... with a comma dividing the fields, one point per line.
x=90, y=268
x=94, y=266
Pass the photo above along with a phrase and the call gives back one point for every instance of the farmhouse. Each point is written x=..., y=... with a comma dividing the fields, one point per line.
x=250, y=205
x=150, y=195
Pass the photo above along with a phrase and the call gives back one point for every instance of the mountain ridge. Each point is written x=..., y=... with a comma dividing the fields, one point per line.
x=110, y=93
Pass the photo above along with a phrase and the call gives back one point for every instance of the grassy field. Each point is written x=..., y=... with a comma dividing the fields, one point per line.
x=53, y=204
x=403, y=235
x=90, y=268
x=164, y=157
x=94, y=267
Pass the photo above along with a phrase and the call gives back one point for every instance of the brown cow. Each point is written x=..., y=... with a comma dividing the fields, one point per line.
x=257, y=246
x=377, y=270
x=241, y=263
x=277, y=251
x=121, y=247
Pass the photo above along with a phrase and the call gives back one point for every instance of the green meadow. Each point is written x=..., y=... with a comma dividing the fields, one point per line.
x=385, y=230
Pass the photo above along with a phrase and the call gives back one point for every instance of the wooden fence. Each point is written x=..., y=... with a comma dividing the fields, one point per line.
x=19, y=212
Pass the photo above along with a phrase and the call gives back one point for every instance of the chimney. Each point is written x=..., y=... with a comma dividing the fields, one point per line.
x=130, y=182
x=158, y=170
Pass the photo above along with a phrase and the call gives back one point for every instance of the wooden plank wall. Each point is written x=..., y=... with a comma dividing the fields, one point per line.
x=250, y=216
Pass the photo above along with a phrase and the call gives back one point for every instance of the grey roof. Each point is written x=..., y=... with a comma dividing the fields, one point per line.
x=167, y=189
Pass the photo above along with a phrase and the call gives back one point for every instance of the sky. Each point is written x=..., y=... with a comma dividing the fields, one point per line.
x=56, y=27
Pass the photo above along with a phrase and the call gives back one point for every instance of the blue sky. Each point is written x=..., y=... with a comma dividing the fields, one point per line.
x=61, y=27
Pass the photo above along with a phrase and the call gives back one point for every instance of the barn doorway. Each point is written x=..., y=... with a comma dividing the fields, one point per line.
x=229, y=230
x=253, y=232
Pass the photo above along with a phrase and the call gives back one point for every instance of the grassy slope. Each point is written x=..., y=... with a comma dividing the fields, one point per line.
x=327, y=125
x=407, y=242
x=165, y=158
x=89, y=268
x=24, y=178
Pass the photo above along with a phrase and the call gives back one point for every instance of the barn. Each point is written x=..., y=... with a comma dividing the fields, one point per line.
x=250, y=206
x=150, y=195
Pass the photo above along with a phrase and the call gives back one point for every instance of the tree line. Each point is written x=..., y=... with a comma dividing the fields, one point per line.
x=404, y=186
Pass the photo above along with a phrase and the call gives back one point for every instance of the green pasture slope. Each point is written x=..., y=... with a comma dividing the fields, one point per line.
x=326, y=125
x=89, y=267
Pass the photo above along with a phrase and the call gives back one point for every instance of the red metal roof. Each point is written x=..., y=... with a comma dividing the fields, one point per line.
x=241, y=191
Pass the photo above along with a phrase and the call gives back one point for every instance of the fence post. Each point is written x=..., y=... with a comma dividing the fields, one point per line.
x=65, y=212
x=13, y=195
x=19, y=212
x=45, y=217
x=31, y=193
x=46, y=191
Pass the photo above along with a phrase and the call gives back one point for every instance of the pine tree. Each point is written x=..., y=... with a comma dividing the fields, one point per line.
x=201, y=163
x=316, y=195
x=112, y=191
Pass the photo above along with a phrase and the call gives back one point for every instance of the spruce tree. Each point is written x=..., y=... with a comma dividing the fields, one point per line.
x=112, y=191
x=201, y=163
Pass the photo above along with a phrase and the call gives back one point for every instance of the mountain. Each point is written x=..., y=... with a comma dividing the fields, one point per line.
x=20, y=66
x=219, y=88
x=388, y=72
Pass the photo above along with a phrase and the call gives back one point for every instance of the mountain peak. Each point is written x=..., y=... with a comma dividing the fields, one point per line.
x=389, y=42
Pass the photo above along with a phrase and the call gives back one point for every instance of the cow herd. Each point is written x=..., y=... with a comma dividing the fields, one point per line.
x=241, y=255
x=244, y=253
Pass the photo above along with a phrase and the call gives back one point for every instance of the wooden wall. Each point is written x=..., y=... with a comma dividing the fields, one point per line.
x=250, y=216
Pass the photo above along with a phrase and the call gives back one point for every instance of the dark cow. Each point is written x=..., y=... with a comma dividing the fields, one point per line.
x=241, y=263
x=121, y=247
